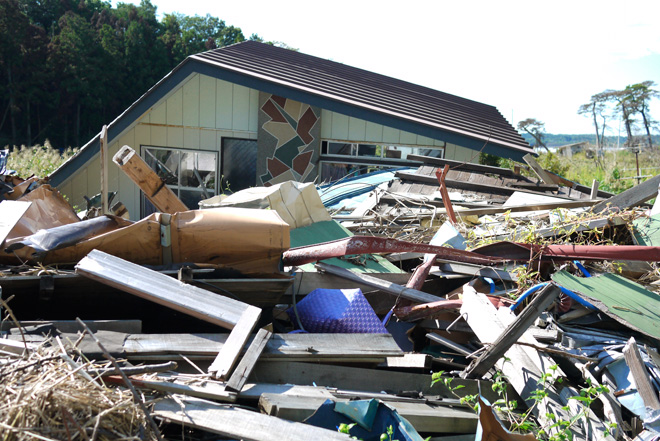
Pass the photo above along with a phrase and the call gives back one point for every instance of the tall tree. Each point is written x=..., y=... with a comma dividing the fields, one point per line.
x=536, y=129
x=638, y=96
x=597, y=108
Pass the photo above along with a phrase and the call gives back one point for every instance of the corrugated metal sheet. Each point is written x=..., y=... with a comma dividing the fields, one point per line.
x=623, y=300
x=375, y=92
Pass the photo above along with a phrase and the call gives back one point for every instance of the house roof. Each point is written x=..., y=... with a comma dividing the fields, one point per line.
x=332, y=86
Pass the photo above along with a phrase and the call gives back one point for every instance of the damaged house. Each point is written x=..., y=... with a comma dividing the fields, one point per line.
x=253, y=114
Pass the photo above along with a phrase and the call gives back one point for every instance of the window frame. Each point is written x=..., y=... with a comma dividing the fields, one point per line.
x=177, y=188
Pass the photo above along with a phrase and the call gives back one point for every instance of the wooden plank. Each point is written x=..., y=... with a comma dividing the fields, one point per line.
x=72, y=326
x=640, y=374
x=543, y=175
x=103, y=155
x=512, y=333
x=523, y=366
x=424, y=417
x=149, y=182
x=389, y=287
x=164, y=290
x=238, y=423
x=209, y=390
x=631, y=197
x=10, y=213
x=594, y=189
x=355, y=378
x=292, y=347
x=228, y=355
x=244, y=368
x=465, y=185
x=469, y=166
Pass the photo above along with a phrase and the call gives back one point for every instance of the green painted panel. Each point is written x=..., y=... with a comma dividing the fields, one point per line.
x=332, y=230
x=623, y=300
x=646, y=230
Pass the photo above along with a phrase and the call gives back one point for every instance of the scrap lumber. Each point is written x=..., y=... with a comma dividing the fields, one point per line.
x=383, y=285
x=159, y=288
x=465, y=166
x=472, y=186
x=244, y=368
x=150, y=183
x=640, y=374
x=631, y=197
x=493, y=210
x=209, y=391
x=543, y=175
x=367, y=348
x=274, y=375
x=513, y=332
x=238, y=423
x=424, y=417
x=523, y=366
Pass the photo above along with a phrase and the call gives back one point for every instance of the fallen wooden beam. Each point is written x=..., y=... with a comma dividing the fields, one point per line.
x=543, y=175
x=368, y=348
x=238, y=423
x=209, y=391
x=383, y=285
x=512, y=333
x=640, y=375
x=244, y=368
x=159, y=288
x=631, y=197
x=424, y=417
x=149, y=182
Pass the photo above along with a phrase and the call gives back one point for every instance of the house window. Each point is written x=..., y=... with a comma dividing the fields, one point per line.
x=339, y=159
x=239, y=164
x=190, y=174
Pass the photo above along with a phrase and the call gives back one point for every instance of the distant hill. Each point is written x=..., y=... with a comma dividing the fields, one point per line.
x=553, y=140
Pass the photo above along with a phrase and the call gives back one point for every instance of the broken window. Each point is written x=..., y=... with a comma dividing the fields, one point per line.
x=239, y=164
x=190, y=174
x=366, y=158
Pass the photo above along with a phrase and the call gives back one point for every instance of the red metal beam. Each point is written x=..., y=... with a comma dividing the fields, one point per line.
x=379, y=245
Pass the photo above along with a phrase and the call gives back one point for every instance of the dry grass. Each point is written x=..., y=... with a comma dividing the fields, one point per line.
x=38, y=160
x=49, y=396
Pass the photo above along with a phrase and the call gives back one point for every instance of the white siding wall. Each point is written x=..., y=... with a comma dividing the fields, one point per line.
x=196, y=115
x=338, y=127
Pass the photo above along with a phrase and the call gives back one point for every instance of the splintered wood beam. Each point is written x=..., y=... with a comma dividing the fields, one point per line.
x=228, y=355
x=247, y=363
x=640, y=374
x=631, y=197
x=383, y=285
x=228, y=313
x=512, y=333
x=238, y=423
x=543, y=175
x=149, y=182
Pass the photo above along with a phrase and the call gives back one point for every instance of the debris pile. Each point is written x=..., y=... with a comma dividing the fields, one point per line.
x=455, y=301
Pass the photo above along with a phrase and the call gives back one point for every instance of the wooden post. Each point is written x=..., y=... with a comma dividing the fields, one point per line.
x=594, y=190
x=104, y=169
x=149, y=182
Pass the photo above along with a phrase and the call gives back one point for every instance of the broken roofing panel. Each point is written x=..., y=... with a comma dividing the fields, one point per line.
x=625, y=301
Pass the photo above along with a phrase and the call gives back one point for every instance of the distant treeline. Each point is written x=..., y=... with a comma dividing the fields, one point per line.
x=552, y=140
x=69, y=66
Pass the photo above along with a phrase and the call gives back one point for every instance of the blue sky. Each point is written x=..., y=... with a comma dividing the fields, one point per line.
x=529, y=59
